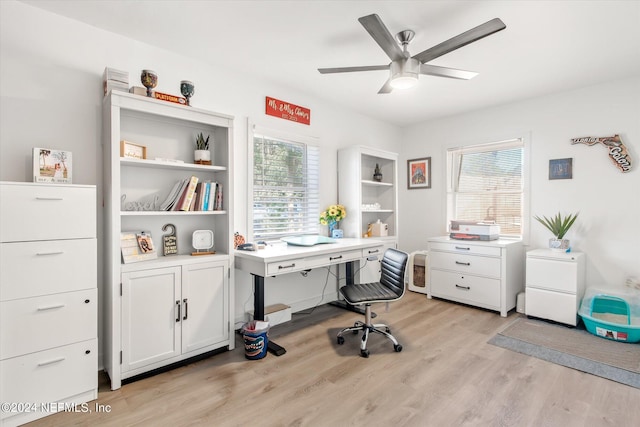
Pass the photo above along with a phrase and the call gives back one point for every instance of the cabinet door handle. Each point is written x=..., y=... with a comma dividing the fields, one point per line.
x=463, y=263
x=50, y=307
x=49, y=253
x=466, y=288
x=186, y=309
x=49, y=362
x=178, y=307
x=333, y=258
x=49, y=198
x=281, y=267
x=461, y=248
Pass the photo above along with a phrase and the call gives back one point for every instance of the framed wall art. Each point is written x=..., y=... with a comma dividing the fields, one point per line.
x=132, y=151
x=561, y=168
x=419, y=173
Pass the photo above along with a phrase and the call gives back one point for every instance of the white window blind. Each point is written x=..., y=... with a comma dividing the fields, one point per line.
x=285, y=187
x=486, y=183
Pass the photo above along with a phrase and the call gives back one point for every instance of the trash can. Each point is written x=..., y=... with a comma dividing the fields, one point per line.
x=255, y=335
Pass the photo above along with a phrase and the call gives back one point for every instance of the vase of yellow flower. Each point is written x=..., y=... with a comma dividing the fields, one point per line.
x=331, y=216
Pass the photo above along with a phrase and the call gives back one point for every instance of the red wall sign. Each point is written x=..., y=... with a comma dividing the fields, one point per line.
x=287, y=111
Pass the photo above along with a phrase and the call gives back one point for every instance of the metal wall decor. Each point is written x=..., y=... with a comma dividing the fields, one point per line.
x=617, y=151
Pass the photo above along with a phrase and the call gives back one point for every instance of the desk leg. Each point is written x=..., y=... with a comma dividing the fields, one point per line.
x=350, y=276
x=258, y=311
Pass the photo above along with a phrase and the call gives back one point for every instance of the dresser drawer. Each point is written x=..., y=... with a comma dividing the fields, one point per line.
x=50, y=375
x=50, y=321
x=465, y=288
x=48, y=267
x=46, y=212
x=482, y=265
x=552, y=274
x=465, y=248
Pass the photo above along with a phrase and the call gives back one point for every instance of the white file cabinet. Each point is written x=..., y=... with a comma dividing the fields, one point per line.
x=554, y=285
x=487, y=274
x=48, y=299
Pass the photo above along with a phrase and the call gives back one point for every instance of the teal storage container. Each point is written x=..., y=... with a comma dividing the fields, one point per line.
x=612, y=314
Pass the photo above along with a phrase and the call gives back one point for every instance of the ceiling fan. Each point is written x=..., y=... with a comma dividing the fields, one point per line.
x=405, y=69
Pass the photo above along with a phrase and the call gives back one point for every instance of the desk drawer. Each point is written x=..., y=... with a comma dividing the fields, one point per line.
x=49, y=321
x=465, y=248
x=301, y=264
x=466, y=288
x=48, y=267
x=482, y=265
x=51, y=375
x=42, y=212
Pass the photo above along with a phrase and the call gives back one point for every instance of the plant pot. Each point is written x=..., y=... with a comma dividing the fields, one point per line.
x=559, y=245
x=202, y=157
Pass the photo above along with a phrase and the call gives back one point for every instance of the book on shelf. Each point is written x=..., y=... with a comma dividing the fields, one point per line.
x=218, y=202
x=205, y=198
x=188, y=194
x=139, y=90
x=168, y=203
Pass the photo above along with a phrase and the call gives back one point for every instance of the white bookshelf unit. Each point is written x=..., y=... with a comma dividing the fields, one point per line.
x=358, y=192
x=171, y=308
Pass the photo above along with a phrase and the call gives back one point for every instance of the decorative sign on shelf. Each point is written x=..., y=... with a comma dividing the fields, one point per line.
x=288, y=111
x=170, y=240
x=617, y=151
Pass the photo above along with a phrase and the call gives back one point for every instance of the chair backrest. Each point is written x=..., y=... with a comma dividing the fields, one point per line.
x=394, y=264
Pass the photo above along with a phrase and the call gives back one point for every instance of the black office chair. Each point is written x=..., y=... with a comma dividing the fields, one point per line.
x=389, y=288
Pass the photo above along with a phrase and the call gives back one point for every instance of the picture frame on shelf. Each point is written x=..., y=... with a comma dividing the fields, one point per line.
x=419, y=173
x=561, y=168
x=54, y=166
x=132, y=151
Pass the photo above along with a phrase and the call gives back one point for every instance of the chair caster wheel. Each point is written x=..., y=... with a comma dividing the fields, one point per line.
x=364, y=353
x=388, y=330
x=340, y=340
x=397, y=348
x=354, y=332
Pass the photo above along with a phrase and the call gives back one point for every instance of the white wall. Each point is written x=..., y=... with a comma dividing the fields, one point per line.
x=608, y=227
x=51, y=96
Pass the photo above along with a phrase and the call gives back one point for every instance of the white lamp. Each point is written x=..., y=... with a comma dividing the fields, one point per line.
x=404, y=73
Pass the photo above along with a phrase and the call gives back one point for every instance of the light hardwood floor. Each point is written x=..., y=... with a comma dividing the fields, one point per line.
x=446, y=375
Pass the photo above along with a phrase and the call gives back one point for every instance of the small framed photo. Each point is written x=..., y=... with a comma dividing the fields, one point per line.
x=132, y=151
x=419, y=173
x=561, y=168
x=52, y=166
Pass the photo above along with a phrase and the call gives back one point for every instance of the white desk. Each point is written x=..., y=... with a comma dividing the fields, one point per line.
x=280, y=258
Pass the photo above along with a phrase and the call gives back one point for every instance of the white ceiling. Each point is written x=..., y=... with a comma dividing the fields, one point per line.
x=548, y=46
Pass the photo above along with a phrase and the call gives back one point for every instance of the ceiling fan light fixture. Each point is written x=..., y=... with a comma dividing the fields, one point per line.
x=404, y=73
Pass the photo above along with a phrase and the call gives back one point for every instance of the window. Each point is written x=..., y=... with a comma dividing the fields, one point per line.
x=285, y=193
x=486, y=182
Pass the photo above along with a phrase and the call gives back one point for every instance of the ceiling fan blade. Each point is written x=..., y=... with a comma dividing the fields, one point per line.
x=374, y=26
x=386, y=88
x=433, y=70
x=352, y=69
x=461, y=40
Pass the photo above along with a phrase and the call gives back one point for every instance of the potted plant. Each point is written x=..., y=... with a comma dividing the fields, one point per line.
x=558, y=225
x=202, y=155
x=331, y=216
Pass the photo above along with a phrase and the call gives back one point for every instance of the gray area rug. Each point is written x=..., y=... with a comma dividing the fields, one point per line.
x=574, y=348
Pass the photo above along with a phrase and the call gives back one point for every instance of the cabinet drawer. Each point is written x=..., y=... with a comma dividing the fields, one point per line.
x=47, y=212
x=482, y=265
x=465, y=288
x=282, y=267
x=50, y=375
x=49, y=321
x=552, y=274
x=48, y=267
x=552, y=305
x=465, y=248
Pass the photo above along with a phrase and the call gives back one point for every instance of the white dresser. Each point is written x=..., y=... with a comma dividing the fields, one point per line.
x=484, y=274
x=555, y=285
x=48, y=299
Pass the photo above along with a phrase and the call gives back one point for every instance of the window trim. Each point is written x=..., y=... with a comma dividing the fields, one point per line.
x=449, y=175
x=252, y=130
